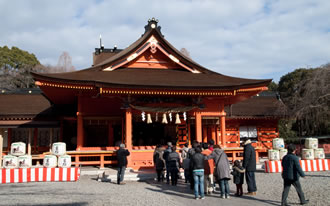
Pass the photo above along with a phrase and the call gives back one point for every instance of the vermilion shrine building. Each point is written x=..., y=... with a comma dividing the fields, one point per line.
x=128, y=95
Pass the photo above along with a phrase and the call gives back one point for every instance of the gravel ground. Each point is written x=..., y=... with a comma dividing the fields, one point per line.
x=88, y=191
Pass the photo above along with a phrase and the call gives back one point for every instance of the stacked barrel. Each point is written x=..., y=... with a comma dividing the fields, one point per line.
x=17, y=157
x=311, y=150
x=56, y=167
x=313, y=158
x=278, y=151
x=58, y=157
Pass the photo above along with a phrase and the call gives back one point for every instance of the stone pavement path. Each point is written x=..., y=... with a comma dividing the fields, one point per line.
x=88, y=191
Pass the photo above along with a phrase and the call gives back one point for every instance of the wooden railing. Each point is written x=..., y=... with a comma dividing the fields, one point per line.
x=92, y=158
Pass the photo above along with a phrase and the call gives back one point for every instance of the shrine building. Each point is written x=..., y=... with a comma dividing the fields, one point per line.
x=144, y=95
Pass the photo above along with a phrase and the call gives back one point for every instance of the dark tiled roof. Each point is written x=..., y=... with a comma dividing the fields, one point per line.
x=23, y=105
x=258, y=106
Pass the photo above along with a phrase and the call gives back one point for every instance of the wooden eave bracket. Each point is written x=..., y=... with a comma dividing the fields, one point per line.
x=153, y=44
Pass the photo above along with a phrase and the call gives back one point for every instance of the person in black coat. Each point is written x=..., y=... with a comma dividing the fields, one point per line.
x=122, y=154
x=174, y=165
x=159, y=162
x=250, y=166
x=291, y=172
x=165, y=156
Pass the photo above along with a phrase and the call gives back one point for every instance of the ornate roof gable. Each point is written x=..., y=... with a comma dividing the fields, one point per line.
x=151, y=51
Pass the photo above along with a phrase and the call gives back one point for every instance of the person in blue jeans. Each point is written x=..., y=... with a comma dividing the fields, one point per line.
x=222, y=170
x=197, y=165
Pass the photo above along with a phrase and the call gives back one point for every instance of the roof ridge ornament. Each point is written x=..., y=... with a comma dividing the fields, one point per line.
x=152, y=24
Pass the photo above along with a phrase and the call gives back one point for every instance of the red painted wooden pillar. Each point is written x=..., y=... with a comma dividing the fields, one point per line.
x=128, y=132
x=205, y=133
x=223, y=124
x=213, y=132
x=198, y=119
x=189, y=134
x=80, y=125
x=110, y=135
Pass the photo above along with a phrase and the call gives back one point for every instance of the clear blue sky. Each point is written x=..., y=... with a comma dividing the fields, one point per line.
x=251, y=39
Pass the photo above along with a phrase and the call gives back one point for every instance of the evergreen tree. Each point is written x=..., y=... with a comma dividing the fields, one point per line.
x=15, y=68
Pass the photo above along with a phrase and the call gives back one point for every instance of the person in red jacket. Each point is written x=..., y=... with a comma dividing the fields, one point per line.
x=208, y=170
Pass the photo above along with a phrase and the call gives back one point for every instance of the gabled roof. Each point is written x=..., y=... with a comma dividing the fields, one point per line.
x=263, y=105
x=23, y=105
x=187, y=74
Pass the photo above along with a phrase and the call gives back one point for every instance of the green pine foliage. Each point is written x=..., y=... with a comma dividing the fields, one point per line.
x=15, y=68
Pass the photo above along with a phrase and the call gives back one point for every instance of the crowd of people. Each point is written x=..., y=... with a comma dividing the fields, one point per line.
x=204, y=165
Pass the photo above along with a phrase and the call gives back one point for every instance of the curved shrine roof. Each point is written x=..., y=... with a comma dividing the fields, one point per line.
x=186, y=73
x=152, y=78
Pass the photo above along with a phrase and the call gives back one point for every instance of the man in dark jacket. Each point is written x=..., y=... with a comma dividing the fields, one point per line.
x=174, y=165
x=291, y=172
x=165, y=156
x=122, y=154
x=250, y=165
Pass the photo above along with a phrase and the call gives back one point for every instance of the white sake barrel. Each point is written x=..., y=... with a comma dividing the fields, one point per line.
x=307, y=154
x=273, y=154
x=50, y=161
x=311, y=143
x=64, y=161
x=18, y=148
x=319, y=153
x=283, y=152
x=278, y=143
x=25, y=161
x=59, y=148
x=9, y=161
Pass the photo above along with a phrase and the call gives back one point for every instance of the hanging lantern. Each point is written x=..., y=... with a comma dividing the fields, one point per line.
x=149, y=121
x=184, y=116
x=164, y=121
x=170, y=116
x=143, y=115
x=156, y=119
x=177, y=119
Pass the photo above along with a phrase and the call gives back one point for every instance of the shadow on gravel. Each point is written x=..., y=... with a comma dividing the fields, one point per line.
x=181, y=189
x=57, y=204
x=270, y=202
x=261, y=171
x=17, y=185
x=307, y=175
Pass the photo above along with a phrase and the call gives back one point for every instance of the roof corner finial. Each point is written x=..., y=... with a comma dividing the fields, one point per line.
x=152, y=24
